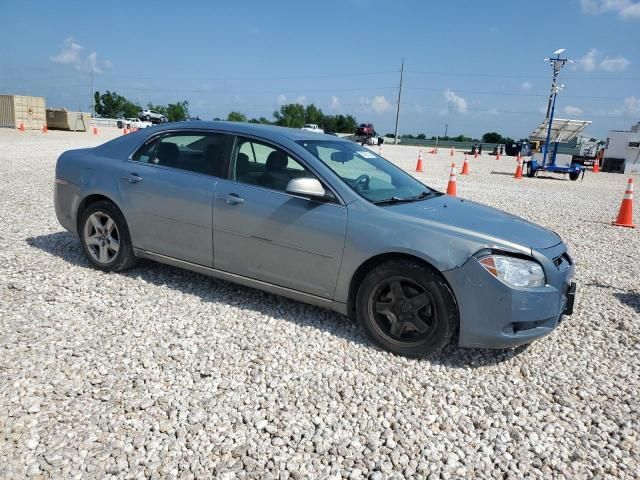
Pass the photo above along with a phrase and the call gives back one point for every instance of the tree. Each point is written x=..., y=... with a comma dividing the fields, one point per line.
x=313, y=114
x=492, y=137
x=340, y=124
x=177, y=112
x=421, y=136
x=290, y=115
x=112, y=105
x=236, y=117
x=261, y=120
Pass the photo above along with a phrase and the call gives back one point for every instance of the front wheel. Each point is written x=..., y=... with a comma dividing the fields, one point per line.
x=573, y=176
x=406, y=308
x=105, y=237
x=530, y=171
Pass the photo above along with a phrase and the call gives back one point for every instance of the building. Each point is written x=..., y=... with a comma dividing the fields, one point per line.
x=623, y=150
x=16, y=110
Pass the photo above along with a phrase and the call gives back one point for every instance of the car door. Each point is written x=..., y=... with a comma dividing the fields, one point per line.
x=168, y=187
x=264, y=233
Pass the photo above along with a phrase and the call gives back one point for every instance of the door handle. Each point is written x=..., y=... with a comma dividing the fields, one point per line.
x=232, y=198
x=133, y=178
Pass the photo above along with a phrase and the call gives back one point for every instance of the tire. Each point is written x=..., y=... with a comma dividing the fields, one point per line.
x=147, y=118
x=530, y=171
x=573, y=176
x=100, y=238
x=418, y=319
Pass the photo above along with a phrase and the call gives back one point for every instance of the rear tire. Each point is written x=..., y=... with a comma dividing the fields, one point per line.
x=105, y=238
x=530, y=171
x=406, y=308
x=573, y=176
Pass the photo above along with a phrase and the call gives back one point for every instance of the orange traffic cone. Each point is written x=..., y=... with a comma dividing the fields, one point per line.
x=21, y=127
x=419, y=164
x=44, y=128
x=452, y=152
x=95, y=130
x=518, y=175
x=465, y=165
x=497, y=155
x=625, y=215
x=451, y=186
x=596, y=164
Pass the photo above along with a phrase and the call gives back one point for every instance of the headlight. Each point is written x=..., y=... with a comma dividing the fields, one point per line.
x=514, y=271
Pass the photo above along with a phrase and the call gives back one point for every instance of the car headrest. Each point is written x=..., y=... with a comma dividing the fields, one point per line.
x=168, y=152
x=242, y=164
x=277, y=160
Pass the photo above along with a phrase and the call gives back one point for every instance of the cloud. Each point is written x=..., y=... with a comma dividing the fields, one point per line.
x=594, y=59
x=630, y=107
x=69, y=53
x=569, y=110
x=302, y=100
x=526, y=85
x=335, y=103
x=454, y=102
x=493, y=111
x=617, y=64
x=626, y=9
x=378, y=104
x=282, y=99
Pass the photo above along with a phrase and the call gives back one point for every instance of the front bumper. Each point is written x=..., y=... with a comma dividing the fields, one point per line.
x=495, y=315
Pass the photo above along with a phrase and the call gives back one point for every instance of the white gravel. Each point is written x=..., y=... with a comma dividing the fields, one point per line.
x=163, y=373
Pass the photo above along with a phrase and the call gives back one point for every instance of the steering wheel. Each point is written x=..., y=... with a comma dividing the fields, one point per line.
x=362, y=179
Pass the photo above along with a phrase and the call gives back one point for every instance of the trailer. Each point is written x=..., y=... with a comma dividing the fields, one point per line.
x=555, y=131
x=562, y=131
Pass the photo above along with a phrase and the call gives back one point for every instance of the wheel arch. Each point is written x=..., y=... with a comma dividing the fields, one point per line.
x=376, y=260
x=89, y=200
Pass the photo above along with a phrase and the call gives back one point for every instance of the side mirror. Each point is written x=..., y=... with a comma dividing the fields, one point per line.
x=306, y=187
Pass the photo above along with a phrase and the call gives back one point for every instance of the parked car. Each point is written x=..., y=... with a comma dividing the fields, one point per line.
x=133, y=122
x=321, y=220
x=312, y=127
x=365, y=130
x=152, y=116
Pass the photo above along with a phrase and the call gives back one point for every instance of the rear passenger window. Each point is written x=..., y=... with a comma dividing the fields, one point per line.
x=193, y=152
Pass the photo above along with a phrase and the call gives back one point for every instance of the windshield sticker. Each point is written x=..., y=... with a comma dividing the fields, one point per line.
x=365, y=154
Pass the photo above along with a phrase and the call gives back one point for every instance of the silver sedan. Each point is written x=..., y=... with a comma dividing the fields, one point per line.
x=320, y=220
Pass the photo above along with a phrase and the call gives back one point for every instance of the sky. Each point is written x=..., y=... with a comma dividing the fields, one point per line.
x=470, y=67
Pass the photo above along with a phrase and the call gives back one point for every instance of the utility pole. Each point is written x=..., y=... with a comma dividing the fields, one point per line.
x=93, y=105
x=395, y=139
x=446, y=129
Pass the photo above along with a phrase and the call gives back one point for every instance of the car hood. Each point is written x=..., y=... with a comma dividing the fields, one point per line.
x=476, y=220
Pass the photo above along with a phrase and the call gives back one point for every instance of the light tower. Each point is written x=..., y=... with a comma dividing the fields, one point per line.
x=556, y=65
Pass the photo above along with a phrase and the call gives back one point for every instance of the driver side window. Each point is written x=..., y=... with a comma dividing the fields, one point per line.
x=258, y=163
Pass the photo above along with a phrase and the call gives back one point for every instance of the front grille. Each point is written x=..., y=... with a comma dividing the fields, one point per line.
x=563, y=261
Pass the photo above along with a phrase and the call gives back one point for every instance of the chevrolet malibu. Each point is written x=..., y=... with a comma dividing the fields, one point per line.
x=320, y=220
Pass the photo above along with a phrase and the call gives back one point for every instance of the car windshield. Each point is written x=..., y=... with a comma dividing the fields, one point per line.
x=370, y=175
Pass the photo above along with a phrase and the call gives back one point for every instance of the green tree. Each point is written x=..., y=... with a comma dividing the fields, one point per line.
x=421, y=136
x=236, y=117
x=290, y=115
x=313, y=114
x=340, y=124
x=492, y=137
x=177, y=112
x=112, y=105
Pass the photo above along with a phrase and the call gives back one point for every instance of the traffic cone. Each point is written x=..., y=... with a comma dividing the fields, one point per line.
x=451, y=186
x=452, y=152
x=497, y=155
x=475, y=153
x=596, y=165
x=419, y=164
x=21, y=127
x=125, y=131
x=465, y=165
x=95, y=130
x=518, y=175
x=44, y=128
x=380, y=150
x=625, y=215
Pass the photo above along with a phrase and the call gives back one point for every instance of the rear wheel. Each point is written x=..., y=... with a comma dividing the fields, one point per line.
x=406, y=308
x=574, y=176
x=105, y=237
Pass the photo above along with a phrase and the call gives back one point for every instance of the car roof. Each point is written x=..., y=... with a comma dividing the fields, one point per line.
x=257, y=129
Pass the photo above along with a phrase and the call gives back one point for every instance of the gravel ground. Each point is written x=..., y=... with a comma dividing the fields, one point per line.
x=163, y=373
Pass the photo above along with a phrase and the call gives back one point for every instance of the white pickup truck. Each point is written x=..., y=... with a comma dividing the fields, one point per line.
x=312, y=127
x=133, y=123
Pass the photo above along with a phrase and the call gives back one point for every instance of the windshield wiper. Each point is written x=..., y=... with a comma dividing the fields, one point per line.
x=395, y=199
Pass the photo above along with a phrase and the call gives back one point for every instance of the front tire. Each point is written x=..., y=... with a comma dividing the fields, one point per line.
x=530, y=171
x=105, y=237
x=406, y=308
x=573, y=176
